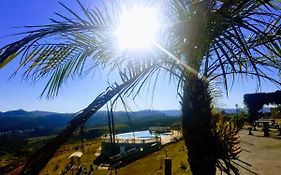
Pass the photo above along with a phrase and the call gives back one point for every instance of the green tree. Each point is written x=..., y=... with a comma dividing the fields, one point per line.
x=202, y=41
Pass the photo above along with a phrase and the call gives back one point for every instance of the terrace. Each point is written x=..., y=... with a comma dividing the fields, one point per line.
x=129, y=146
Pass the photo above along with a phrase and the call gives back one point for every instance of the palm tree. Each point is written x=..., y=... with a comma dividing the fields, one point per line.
x=202, y=42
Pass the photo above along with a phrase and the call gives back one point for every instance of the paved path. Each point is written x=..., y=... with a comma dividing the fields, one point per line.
x=263, y=154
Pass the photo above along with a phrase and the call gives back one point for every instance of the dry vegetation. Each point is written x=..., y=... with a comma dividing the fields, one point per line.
x=152, y=164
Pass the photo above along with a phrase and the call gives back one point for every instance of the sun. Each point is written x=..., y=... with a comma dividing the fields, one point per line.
x=137, y=28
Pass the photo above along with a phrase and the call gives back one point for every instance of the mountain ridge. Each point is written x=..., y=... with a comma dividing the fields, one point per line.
x=20, y=112
x=17, y=121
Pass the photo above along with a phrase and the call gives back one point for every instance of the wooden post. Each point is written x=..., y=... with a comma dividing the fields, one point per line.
x=266, y=130
x=250, y=131
x=168, y=166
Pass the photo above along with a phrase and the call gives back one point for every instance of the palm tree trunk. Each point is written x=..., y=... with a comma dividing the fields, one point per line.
x=196, y=118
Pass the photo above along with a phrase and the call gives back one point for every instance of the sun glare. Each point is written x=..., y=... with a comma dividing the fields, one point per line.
x=137, y=28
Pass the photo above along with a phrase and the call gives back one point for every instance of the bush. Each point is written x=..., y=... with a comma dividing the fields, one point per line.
x=183, y=166
x=56, y=167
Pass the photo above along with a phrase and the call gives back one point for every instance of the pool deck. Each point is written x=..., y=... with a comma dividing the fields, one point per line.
x=164, y=138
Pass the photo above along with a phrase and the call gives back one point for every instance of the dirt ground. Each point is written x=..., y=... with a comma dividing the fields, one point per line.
x=261, y=155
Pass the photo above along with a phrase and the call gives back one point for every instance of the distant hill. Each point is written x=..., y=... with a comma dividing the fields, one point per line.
x=230, y=111
x=32, y=123
x=14, y=113
x=38, y=123
x=172, y=112
x=234, y=111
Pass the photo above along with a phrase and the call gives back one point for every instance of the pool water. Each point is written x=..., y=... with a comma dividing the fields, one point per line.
x=138, y=134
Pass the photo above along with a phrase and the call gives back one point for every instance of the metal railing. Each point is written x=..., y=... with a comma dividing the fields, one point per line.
x=133, y=140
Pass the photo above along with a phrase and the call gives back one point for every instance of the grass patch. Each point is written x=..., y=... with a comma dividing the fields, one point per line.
x=152, y=164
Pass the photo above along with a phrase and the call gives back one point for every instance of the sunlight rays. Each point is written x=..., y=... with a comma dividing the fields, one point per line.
x=137, y=28
x=178, y=61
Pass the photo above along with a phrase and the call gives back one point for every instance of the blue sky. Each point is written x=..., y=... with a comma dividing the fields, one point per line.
x=77, y=94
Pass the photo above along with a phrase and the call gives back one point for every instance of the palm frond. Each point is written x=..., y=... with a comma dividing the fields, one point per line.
x=62, y=49
x=245, y=38
x=226, y=141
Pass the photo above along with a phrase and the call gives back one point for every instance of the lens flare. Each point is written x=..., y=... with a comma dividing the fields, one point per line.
x=137, y=28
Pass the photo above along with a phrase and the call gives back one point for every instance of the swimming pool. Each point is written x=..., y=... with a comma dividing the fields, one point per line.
x=139, y=134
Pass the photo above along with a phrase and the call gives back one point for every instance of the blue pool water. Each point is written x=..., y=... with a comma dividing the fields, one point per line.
x=138, y=134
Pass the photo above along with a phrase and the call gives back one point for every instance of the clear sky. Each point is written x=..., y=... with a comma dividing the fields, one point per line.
x=77, y=94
